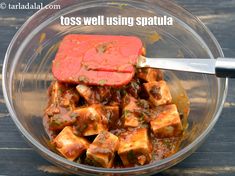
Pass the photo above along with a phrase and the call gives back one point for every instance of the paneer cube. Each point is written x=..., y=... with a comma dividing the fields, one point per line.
x=130, y=104
x=70, y=145
x=62, y=101
x=55, y=92
x=98, y=94
x=86, y=93
x=58, y=121
x=112, y=115
x=131, y=120
x=167, y=123
x=90, y=120
x=135, y=147
x=61, y=95
x=102, y=150
x=131, y=111
x=150, y=74
x=159, y=92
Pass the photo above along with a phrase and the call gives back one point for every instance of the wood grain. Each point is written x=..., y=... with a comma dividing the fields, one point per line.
x=215, y=157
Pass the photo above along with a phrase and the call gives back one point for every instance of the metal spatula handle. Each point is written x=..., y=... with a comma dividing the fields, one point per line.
x=221, y=67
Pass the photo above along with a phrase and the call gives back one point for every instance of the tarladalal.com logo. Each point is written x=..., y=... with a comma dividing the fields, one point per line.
x=27, y=6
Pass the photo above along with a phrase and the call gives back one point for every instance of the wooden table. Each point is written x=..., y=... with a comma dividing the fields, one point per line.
x=215, y=157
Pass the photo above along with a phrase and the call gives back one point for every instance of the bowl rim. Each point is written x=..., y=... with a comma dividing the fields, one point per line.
x=49, y=154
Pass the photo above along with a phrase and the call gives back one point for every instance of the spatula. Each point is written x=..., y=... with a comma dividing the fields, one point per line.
x=111, y=60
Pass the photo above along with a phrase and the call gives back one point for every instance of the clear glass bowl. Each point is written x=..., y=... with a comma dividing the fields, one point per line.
x=27, y=70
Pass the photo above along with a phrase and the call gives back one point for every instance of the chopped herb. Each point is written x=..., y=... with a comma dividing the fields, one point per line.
x=127, y=100
x=92, y=162
x=60, y=91
x=135, y=85
x=49, y=113
x=142, y=115
x=144, y=125
x=81, y=128
x=153, y=156
x=79, y=160
x=126, y=112
x=86, y=67
x=101, y=48
x=155, y=92
x=109, y=115
x=167, y=143
x=102, y=82
x=55, y=123
x=131, y=157
x=83, y=79
x=95, y=127
x=143, y=104
x=57, y=64
x=92, y=117
x=73, y=115
x=123, y=92
x=102, y=137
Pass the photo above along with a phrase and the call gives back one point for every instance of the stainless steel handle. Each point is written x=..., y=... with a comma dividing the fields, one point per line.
x=221, y=67
x=225, y=67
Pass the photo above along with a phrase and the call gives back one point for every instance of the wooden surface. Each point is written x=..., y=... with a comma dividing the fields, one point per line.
x=215, y=157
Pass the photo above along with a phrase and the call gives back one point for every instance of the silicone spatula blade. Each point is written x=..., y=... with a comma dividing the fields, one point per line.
x=96, y=59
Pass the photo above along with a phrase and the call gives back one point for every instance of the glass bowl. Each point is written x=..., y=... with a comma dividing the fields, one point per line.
x=27, y=71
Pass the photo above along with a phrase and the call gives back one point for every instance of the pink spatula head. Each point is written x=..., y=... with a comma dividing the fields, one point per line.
x=97, y=59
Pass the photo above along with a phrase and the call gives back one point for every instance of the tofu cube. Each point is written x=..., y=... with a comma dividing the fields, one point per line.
x=135, y=147
x=167, y=123
x=159, y=92
x=70, y=145
x=90, y=120
x=102, y=150
x=150, y=74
